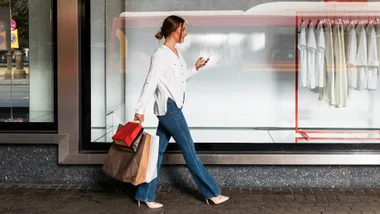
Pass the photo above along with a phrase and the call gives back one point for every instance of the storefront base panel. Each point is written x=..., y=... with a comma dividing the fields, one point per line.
x=38, y=164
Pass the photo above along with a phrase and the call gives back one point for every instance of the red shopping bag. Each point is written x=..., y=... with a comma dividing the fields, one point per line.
x=128, y=133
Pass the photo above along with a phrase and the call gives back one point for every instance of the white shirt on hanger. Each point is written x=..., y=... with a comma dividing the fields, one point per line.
x=166, y=78
x=361, y=57
x=341, y=92
x=311, y=49
x=302, y=59
x=329, y=94
x=351, y=56
x=320, y=56
x=373, y=63
x=378, y=45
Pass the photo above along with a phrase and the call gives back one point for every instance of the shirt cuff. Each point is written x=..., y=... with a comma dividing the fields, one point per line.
x=139, y=111
x=194, y=70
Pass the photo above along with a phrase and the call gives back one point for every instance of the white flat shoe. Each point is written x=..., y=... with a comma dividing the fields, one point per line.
x=151, y=205
x=218, y=199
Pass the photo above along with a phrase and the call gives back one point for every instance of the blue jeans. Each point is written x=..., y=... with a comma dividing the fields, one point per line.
x=173, y=124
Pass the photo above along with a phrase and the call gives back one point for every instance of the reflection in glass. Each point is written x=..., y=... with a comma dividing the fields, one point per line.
x=249, y=83
x=26, y=71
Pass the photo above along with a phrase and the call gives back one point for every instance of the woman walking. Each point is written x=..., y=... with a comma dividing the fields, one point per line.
x=166, y=80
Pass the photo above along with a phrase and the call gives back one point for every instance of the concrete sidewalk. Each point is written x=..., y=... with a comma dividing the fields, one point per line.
x=74, y=199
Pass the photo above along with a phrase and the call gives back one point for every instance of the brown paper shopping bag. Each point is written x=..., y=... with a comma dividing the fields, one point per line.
x=126, y=166
x=144, y=163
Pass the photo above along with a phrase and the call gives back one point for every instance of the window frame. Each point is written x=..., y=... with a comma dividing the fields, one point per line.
x=201, y=147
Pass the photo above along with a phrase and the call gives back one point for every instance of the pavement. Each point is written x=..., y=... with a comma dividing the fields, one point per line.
x=109, y=199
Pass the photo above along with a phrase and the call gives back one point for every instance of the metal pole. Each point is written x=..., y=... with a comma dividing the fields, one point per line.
x=8, y=72
x=10, y=52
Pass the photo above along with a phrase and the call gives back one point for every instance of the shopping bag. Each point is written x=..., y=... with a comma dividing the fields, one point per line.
x=143, y=168
x=153, y=158
x=127, y=134
x=135, y=142
x=125, y=166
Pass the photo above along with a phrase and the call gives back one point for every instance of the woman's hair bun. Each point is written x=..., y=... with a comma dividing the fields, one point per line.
x=159, y=35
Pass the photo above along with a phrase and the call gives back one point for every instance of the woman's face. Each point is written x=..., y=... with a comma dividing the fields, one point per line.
x=181, y=37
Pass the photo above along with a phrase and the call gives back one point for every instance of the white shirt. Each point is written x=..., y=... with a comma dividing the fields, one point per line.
x=373, y=62
x=311, y=48
x=378, y=46
x=320, y=56
x=166, y=78
x=341, y=89
x=361, y=57
x=351, y=55
x=329, y=92
x=302, y=61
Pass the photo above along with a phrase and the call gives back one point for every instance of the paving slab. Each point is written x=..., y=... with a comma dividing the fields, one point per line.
x=107, y=199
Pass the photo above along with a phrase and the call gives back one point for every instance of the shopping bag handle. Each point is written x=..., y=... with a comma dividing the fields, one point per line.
x=137, y=121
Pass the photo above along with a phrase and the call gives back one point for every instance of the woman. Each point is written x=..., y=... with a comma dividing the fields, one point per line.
x=166, y=79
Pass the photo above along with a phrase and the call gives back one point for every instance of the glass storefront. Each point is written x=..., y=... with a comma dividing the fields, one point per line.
x=246, y=98
x=27, y=68
x=245, y=107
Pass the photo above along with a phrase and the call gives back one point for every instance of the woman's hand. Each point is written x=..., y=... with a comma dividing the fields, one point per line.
x=139, y=117
x=201, y=62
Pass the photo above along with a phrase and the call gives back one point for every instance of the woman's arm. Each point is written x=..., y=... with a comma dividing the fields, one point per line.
x=156, y=69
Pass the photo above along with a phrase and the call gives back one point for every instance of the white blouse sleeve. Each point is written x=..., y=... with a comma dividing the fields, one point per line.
x=156, y=69
x=191, y=73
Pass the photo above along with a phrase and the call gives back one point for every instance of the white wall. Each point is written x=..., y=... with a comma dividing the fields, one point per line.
x=115, y=83
x=107, y=84
x=224, y=95
x=98, y=73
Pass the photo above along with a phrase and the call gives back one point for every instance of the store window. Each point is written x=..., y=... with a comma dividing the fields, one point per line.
x=27, y=70
x=246, y=97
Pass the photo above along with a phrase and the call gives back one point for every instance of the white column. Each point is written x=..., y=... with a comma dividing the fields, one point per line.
x=115, y=84
x=98, y=77
x=40, y=62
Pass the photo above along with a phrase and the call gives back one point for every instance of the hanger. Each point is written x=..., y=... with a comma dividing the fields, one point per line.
x=368, y=21
x=334, y=20
x=316, y=24
x=318, y=21
x=308, y=24
x=302, y=19
x=350, y=20
x=375, y=20
x=358, y=21
x=345, y=21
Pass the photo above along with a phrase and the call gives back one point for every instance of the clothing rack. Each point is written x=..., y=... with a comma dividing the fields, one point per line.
x=305, y=132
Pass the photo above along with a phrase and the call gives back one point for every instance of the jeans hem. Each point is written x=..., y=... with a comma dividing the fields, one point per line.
x=208, y=197
x=143, y=199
